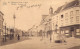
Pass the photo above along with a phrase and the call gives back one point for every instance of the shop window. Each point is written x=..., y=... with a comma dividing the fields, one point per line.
x=77, y=33
x=77, y=30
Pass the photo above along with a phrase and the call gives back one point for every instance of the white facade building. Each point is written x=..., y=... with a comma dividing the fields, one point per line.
x=66, y=19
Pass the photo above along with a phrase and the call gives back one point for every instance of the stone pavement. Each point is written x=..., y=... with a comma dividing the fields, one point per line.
x=70, y=43
x=37, y=43
x=15, y=40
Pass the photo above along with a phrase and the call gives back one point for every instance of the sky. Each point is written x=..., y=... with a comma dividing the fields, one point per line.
x=27, y=16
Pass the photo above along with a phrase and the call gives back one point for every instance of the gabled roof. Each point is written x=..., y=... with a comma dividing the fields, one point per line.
x=58, y=10
x=68, y=5
x=71, y=4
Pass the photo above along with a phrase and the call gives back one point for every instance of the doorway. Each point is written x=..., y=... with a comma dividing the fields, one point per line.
x=72, y=33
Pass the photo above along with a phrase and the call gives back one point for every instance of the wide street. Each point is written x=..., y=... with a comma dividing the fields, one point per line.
x=37, y=43
x=33, y=43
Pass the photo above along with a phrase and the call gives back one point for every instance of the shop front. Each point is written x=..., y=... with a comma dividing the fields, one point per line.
x=71, y=31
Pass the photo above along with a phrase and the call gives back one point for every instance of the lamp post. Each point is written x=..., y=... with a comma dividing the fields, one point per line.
x=5, y=32
x=56, y=28
x=14, y=17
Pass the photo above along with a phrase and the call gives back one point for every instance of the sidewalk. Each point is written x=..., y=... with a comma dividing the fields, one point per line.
x=70, y=42
x=15, y=40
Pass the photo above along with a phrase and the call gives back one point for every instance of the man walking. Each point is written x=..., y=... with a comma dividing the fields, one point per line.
x=18, y=37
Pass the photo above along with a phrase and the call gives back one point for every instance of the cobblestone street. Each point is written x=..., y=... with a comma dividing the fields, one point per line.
x=36, y=43
x=14, y=40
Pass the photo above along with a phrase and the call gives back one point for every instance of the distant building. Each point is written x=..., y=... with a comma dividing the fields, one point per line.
x=1, y=22
x=46, y=23
x=66, y=19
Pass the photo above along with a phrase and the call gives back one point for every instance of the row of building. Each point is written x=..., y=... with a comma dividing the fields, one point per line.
x=1, y=23
x=65, y=20
x=7, y=32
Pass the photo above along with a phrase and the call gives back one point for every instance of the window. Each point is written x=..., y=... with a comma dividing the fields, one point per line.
x=71, y=19
x=66, y=14
x=71, y=13
x=77, y=12
x=61, y=16
x=62, y=25
x=66, y=18
x=66, y=21
x=53, y=25
x=77, y=30
x=77, y=19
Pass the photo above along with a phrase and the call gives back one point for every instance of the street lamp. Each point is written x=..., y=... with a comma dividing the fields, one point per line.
x=5, y=32
x=14, y=17
x=56, y=28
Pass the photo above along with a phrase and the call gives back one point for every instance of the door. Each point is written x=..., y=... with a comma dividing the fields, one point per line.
x=72, y=33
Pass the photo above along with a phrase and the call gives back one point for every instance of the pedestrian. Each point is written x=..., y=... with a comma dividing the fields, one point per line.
x=18, y=37
x=50, y=39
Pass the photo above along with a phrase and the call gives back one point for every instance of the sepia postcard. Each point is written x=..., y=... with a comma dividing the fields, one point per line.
x=39, y=24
